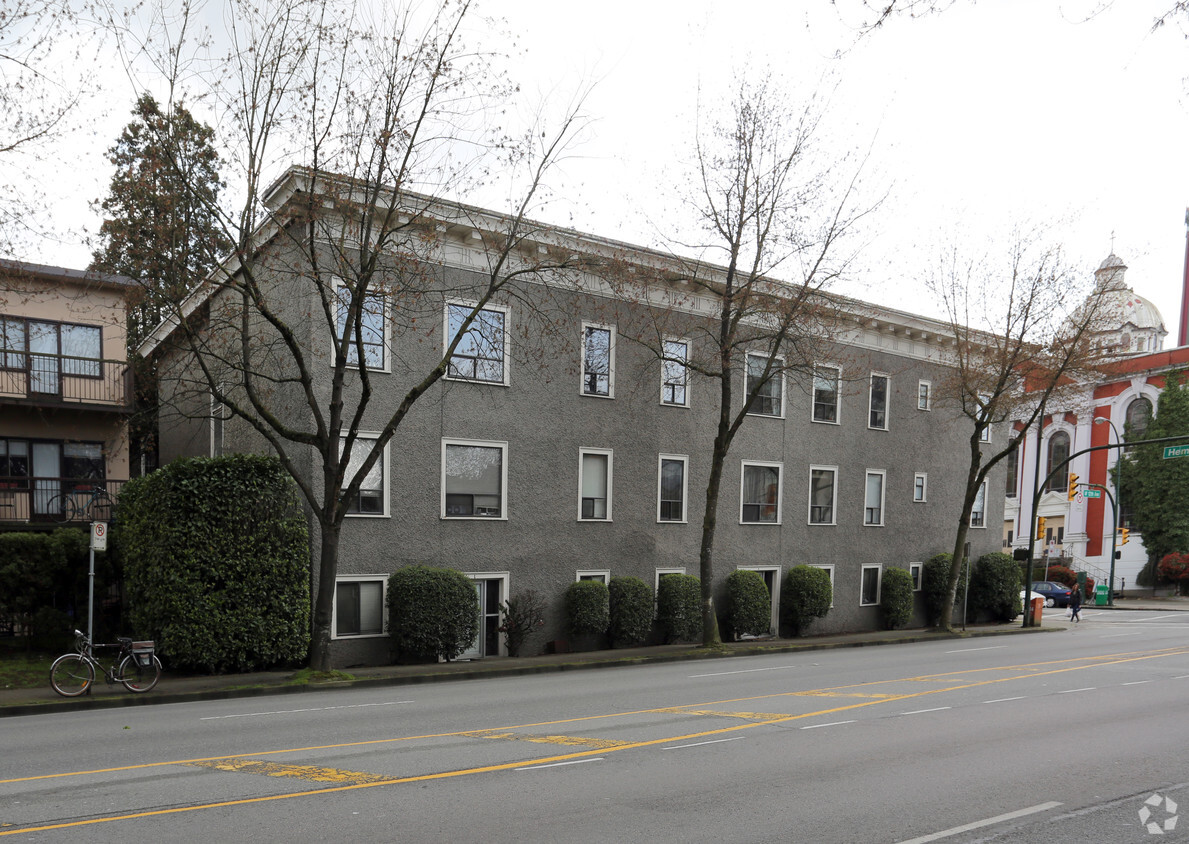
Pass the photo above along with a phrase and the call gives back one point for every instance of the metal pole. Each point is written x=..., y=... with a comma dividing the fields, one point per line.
x=1033, y=516
x=91, y=596
x=1110, y=593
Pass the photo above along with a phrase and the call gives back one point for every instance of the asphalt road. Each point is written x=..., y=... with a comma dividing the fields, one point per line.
x=1069, y=736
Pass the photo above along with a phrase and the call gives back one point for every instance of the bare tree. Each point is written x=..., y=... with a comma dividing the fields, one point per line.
x=386, y=110
x=1022, y=329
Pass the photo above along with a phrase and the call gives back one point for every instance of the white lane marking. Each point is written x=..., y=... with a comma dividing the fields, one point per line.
x=312, y=709
x=1010, y=816
x=1181, y=677
x=559, y=764
x=831, y=724
x=1119, y=635
x=968, y=650
x=743, y=671
x=1154, y=617
x=700, y=743
x=923, y=711
x=1004, y=699
x=1137, y=682
x=1071, y=691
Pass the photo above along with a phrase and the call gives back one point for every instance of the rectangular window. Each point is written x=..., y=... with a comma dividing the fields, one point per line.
x=594, y=484
x=13, y=343
x=83, y=461
x=674, y=374
x=985, y=434
x=924, y=395
x=359, y=606
x=671, y=488
x=81, y=341
x=14, y=464
x=601, y=575
x=822, y=489
x=371, y=499
x=598, y=361
x=761, y=493
x=825, y=393
x=873, y=499
x=368, y=333
x=878, y=406
x=914, y=571
x=769, y=395
x=920, y=486
x=481, y=352
x=1012, y=472
x=474, y=479
x=978, y=514
x=869, y=587
x=218, y=417
x=58, y=348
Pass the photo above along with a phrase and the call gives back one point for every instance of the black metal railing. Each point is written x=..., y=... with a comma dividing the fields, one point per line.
x=60, y=500
x=64, y=379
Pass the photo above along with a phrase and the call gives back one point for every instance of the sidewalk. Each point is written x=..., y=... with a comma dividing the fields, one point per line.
x=187, y=688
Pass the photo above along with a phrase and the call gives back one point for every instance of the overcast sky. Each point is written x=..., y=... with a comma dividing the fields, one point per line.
x=989, y=114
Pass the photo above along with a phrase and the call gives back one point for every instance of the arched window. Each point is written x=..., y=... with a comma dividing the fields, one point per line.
x=1139, y=414
x=1058, y=452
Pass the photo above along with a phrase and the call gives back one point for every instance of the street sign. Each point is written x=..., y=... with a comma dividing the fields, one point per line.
x=1092, y=493
x=1176, y=451
x=98, y=536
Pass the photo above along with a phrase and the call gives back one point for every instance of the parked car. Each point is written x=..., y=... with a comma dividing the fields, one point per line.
x=1055, y=594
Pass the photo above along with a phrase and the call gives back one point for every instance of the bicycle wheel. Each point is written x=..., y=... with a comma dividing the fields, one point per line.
x=137, y=677
x=60, y=508
x=71, y=675
x=99, y=507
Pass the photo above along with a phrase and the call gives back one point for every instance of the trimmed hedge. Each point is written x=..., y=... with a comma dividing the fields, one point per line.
x=934, y=576
x=995, y=586
x=432, y=613
x=588, y=607
x=679, y=607
x=895, y=598
x=43, y=571
x=632, y=610
x=749, y=606
x=806, y=596
x=217, y=563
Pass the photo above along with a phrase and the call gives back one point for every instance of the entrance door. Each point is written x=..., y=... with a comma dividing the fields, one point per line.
x=487, y=643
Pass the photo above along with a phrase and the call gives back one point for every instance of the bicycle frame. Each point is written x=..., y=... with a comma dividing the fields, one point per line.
x=135, y=666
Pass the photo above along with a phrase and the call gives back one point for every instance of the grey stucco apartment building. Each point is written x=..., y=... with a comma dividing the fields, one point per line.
x=558, y=446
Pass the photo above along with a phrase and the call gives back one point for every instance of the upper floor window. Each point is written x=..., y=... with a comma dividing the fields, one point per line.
x=822, y=492
x=924, y=395
x=873, y=498
x=920, y=486
x=878, y=407
x=1139, y=414
x=674, y=374
x=598, y=361
x=978, y=513
x=370, y=500
x=481, y=353
x=368, y=333
x=761, y=493
x=474, y=479
x=671, y=492
x=769, y=395
x=825, y=393
x=1058, y=454
x=1013, y=470
x=50, y=349
x=594, y=484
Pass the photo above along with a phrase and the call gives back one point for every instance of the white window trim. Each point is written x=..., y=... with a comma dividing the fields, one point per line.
x=386, y=343
x=500, y=444
x=833, y=499
x=887, y=401
x=688, y=344
x=985, y=435
x=661, y=572
x=218, y=425
x=684, y=460
x=883, y=497
x=777, y=376
x=446, y=338
x=983, y=526
x=919, y=568
x=928, y=385
x=385, y=511
x=610, y=455
x=837, y=394
x=828, y=568
x=743, y=464
x=610, y=329
x=602, y=575
x=878, y=585
x=334, y=612
x=774, y=620
x=924, y=476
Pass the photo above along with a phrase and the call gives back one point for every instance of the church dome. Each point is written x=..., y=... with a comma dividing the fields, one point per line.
x=1128, y=323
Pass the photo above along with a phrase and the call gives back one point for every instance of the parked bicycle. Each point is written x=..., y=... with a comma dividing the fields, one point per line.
x=136, y=666
x=82, y=505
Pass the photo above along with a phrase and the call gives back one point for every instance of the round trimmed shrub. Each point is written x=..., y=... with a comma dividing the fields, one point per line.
x=679, y=607
x=588, y=607
x=749, y=606
x=806, y=596
x=632, y=610
x=432, y=613
x=896, y=598
x=995, y=586
x=934, y=576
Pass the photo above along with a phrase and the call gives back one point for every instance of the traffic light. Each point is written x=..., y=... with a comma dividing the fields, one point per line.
x=1073, y=486
x=1040, y=527
x=1123, y=532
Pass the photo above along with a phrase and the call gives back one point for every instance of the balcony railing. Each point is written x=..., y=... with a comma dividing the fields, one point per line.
x=58, y=500
x=65, y=380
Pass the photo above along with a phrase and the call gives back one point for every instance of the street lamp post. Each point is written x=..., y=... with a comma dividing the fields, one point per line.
x=1110, y=594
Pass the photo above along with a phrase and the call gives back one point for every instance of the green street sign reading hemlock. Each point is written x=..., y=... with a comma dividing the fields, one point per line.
x=1176, y=451
x=1092, y=493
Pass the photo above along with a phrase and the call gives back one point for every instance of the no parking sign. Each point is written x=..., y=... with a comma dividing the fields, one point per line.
x=98, y=536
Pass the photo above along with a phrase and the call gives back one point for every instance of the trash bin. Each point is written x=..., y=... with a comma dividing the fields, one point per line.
x=1034, y=612
x=1102, y=595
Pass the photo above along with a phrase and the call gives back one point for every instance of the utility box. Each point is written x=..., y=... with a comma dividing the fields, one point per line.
x=1102, y=595
x=1034, y=611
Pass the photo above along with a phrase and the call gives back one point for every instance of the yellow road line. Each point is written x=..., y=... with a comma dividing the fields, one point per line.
x=309, y=773
x=569, y=741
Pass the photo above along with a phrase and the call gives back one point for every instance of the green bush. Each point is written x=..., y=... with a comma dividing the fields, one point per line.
x=806, y=596
x=432, y=613
x=679, y=608
x=40, y=571
x=523, y=615
x=588, y=610
x=749, y=606
x=217, y=563
x=632, y=610
x=895, y=598
x=995, y=586
x=934, y=576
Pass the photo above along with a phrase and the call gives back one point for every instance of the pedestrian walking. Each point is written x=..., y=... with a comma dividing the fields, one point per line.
x=1075, y=604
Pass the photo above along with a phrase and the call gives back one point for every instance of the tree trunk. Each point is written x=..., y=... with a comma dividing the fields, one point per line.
x=946, y=621
x=710, y=634
x=324, y=603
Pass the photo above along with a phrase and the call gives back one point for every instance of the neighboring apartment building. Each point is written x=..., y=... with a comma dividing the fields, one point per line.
x=65, y=392
x=592, y=460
